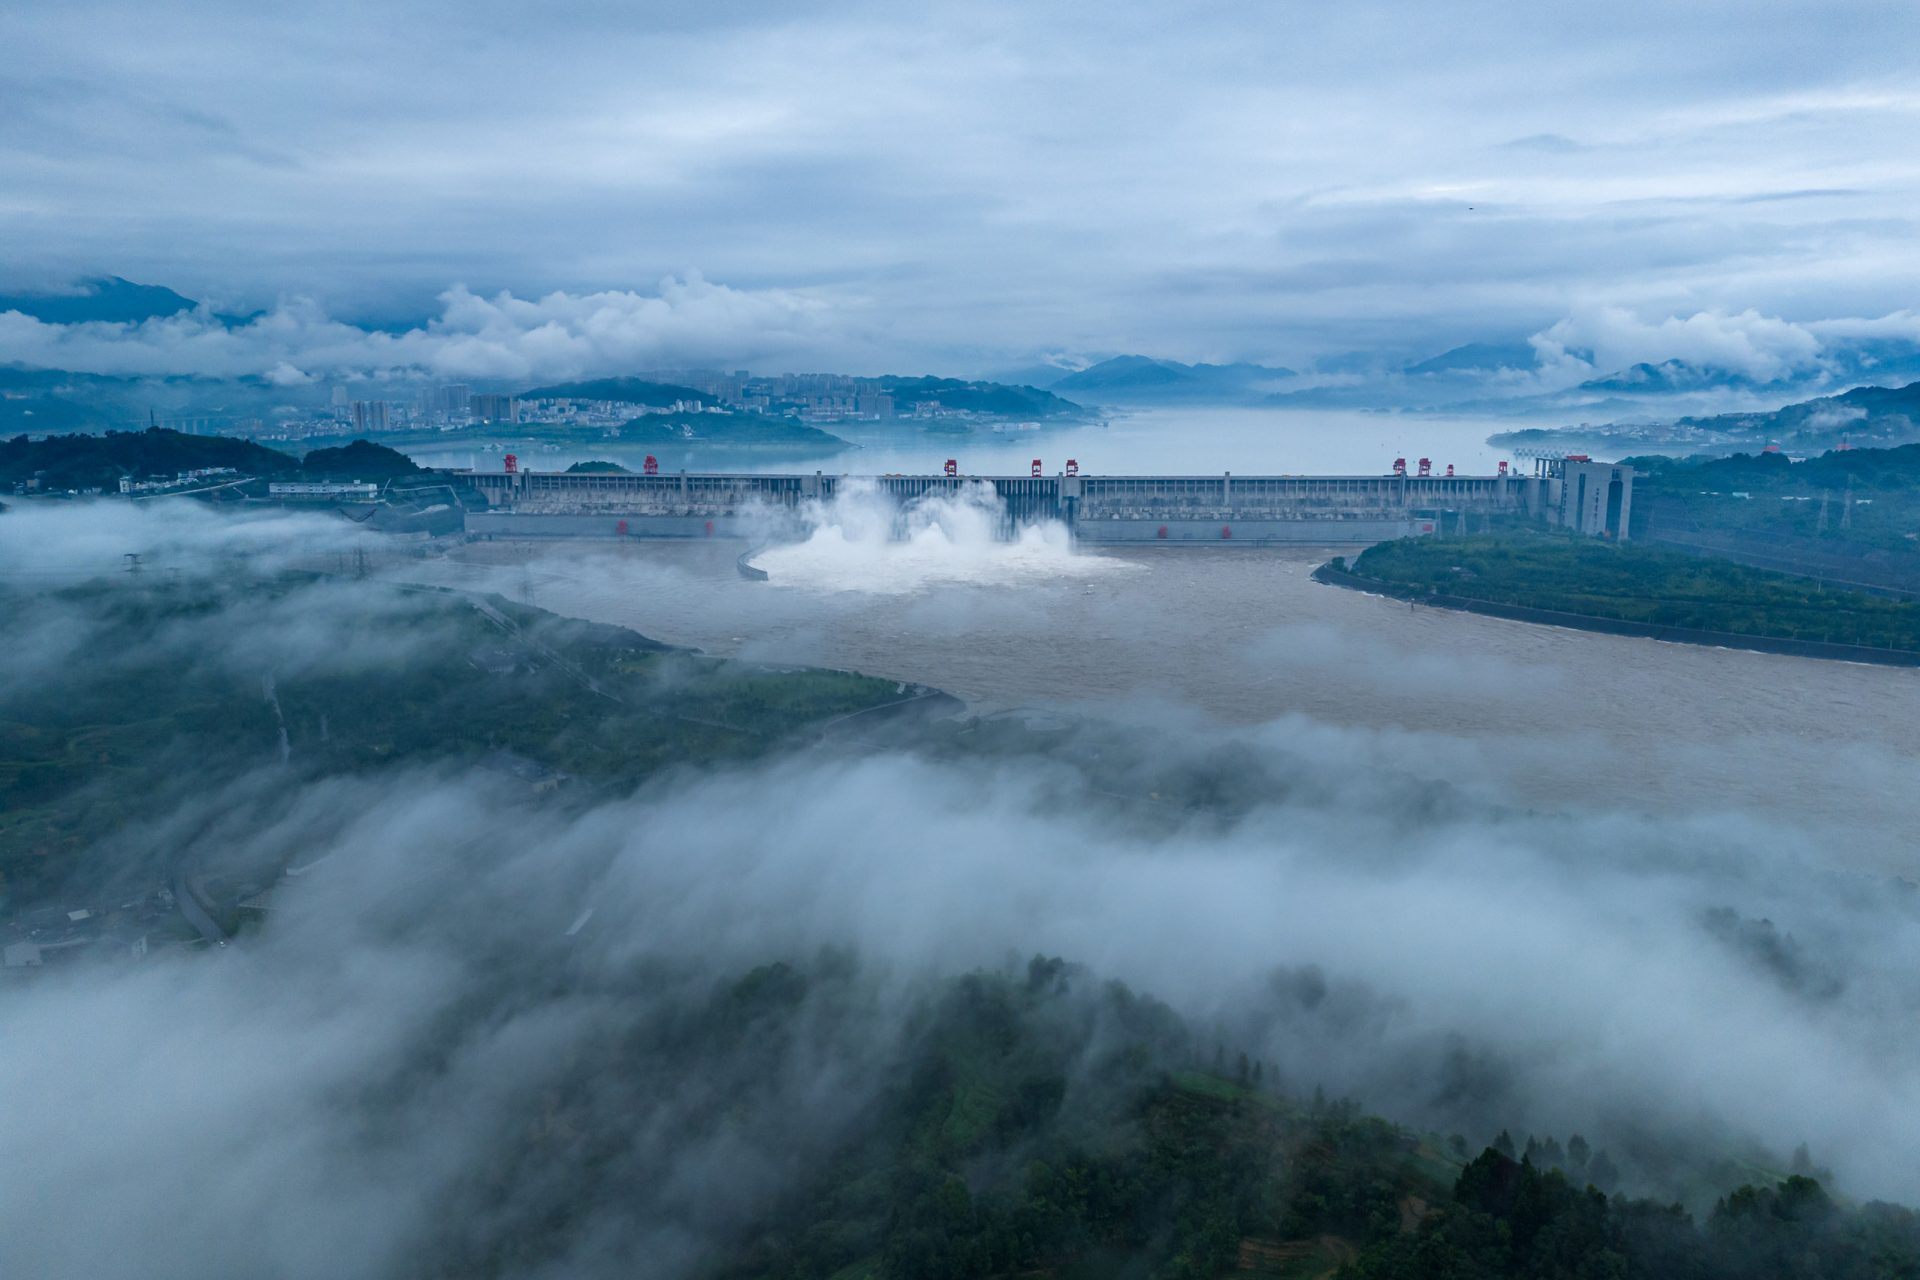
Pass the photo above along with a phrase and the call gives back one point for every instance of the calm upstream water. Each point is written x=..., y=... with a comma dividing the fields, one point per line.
x=1158, y=441
x=1819, y=753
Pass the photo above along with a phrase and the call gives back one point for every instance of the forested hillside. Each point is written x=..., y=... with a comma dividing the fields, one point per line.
x=100, y=462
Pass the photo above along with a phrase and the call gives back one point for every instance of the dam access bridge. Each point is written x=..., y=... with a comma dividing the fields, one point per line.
x=1244, y=510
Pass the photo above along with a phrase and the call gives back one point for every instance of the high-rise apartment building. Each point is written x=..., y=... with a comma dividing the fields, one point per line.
x=369, y=415
x=493, y=408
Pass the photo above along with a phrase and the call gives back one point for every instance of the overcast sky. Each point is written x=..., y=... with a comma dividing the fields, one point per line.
x=960, y=186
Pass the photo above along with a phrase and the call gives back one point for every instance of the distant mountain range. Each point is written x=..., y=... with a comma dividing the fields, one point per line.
x=1144, y=379
x=1864, y=416
x=995, y=398
x=1476, y=357
x=108, y=298
x=1876, y=417
x=1501, y=376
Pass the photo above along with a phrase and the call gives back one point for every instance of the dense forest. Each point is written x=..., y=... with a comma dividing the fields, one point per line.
x=1577, y=575
x=100, y=462
x=1035, y=1121
x=623, y=390
x=344, y=677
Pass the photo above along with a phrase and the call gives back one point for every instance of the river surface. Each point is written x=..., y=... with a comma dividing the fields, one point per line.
x=1820, y=753
x=1150, y=441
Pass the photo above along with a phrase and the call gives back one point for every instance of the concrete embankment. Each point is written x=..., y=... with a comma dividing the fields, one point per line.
x=1328, y=574
x=743, y=565
x=610, y=524
x=1234, y=531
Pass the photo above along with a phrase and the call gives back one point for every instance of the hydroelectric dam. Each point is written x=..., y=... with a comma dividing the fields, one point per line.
x=1102, y=509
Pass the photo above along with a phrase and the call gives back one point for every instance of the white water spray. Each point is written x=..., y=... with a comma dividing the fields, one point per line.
x=862, y=541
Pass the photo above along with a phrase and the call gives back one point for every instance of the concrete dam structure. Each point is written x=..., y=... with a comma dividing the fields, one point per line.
x=1241, y=510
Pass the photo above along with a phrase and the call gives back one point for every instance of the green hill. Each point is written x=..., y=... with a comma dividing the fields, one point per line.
x=1039, y=1122
x=992, y=398
x=1848, y=500
x=360, y=460
x=1862, y=416
x=624, y=390
x=99, y=461
x=89, y=461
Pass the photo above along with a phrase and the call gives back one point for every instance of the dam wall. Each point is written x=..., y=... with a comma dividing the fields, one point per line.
x=1246, y=510
x=1249, y=533
x=511, y=524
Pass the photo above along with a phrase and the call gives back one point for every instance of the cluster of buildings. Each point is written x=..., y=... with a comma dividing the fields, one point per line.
x=808, y=397
x=445, y=407
x=182, y=480
x=811, y=397
x=33, y=940
x=602, y=413
x=814, y=398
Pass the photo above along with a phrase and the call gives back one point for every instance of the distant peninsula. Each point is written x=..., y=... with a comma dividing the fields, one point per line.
x=1563, y=579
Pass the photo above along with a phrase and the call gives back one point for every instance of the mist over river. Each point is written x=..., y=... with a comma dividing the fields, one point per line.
x=1818, y=753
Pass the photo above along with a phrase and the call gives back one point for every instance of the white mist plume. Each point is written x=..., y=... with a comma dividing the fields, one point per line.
x=862, y=541
x=84, y=538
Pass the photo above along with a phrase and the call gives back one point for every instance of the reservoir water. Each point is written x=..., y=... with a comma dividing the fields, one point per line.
x=1150, y=441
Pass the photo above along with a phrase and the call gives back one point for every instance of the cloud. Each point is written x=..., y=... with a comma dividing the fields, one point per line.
x=1745, y=344
x=417, y=1058
x=1763, y=348
x=989, y=182
x=1555, y=143
x=499, y=338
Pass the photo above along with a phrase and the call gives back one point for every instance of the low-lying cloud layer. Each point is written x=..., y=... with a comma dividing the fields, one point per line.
x=516, y=342
x=1747, y=345
x=502, y=338
x=471, y=1012
x=333, y=1098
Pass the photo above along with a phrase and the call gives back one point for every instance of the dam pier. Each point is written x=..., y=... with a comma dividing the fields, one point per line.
x=1099, y=509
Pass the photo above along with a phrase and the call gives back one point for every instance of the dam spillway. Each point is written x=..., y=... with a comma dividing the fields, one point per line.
x=1244, y=510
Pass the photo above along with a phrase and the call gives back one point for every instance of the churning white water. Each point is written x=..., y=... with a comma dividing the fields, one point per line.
x=862, y=541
